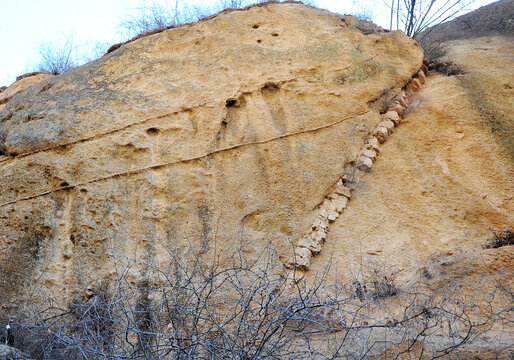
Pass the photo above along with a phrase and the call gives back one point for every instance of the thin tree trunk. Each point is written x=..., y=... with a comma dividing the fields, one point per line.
x=392, y=13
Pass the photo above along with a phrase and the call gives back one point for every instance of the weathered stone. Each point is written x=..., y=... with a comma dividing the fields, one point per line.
x=67, y=251
x=388, y=124
x=21, y=85
x=327, y=204
x=402, y=99
x=364, y=163
x=421, y=77
x=373, y=144
x=369, y=153
x=310, y=243
x=340, y=203
x=302, y=258
x=319, y=235
x=425, y=70
x=398, y=108
x=393, y=116
x=333, y=215
x=415, y=84
x=323, y=213
x=320, y=223
x=10, y=353
x=342, y=190
x=180, y=137
x=381, y=133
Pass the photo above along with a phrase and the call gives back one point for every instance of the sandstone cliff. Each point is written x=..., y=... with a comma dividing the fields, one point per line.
x=225, y=131
x=280, y=128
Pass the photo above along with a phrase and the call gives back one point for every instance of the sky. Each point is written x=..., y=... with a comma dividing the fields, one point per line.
x=25, y=24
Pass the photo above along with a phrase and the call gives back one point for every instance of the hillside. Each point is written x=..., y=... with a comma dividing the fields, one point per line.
x=277, y=182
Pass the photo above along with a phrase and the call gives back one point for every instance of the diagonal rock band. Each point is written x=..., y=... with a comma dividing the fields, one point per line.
x=335, y=202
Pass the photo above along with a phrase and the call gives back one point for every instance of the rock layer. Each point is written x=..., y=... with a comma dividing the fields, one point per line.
x=222, y=134
x=335, y=202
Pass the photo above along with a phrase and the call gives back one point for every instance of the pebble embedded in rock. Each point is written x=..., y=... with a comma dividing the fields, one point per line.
x=311, y=244
x=364, y=163
x=343, y=190
x=369, y=153
x=319, y=235
x=402, y=99
x=333, y=215
x=421, y=77
x=319, y=223
x=381, y=133
x=388, y=124
x=340, y=203
x=393, y=116
x=415, y=84
x=398, y=108
x=302, y=258
x=373, y=144
x=424, y=68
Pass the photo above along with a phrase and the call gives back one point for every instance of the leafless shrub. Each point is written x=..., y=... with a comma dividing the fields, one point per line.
x=152, y=15
x=445, y=67
x=56, y=58
x=201, y=310
x=415, y=16
x=380, y=286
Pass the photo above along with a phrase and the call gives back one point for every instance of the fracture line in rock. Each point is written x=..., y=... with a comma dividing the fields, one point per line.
x=96, y=136
x=164, y=164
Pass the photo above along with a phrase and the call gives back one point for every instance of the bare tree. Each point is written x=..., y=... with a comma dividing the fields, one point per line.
x=415, y=16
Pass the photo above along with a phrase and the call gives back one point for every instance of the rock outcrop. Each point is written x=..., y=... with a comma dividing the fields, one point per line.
x=22, y=83
x=283, y=129
x=335, y=202
x=222, y=134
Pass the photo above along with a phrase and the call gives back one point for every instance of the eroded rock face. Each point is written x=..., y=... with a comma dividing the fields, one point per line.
x=230, y=130
x=22, y=83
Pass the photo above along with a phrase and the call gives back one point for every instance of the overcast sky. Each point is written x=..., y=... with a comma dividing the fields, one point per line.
x=24, y=24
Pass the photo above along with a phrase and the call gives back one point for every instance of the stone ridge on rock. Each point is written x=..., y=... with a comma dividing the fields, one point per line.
x=335, y=202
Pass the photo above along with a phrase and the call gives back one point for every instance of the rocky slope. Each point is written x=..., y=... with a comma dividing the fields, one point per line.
x=231, y=130
x=280, y=127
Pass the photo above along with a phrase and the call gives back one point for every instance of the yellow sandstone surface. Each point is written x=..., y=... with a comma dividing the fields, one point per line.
x=221, y=134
